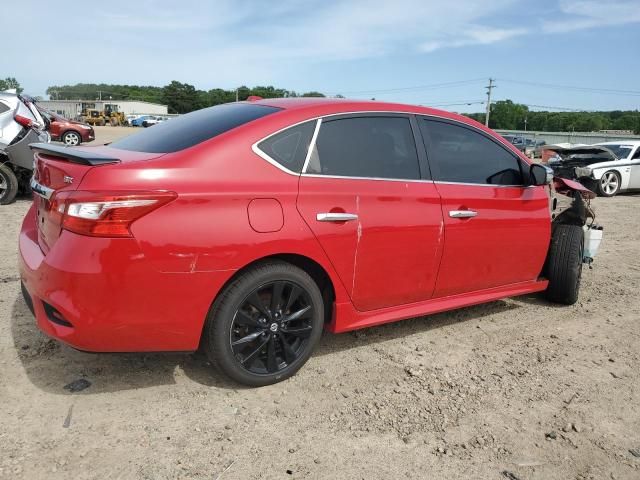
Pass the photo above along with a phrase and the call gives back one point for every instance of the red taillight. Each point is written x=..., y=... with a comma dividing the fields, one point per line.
x=99, y=214
x=24, y=121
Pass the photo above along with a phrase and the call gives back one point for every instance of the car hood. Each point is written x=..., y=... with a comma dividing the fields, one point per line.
x=72, y=122
x=579, y=155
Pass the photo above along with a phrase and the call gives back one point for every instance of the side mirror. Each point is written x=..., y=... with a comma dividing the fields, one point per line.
x=540, y=175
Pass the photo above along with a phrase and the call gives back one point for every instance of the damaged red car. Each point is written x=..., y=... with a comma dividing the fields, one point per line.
x=247, y=229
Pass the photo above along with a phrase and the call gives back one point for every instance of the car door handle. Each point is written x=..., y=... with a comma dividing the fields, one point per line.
x=462, y=213
x=336, y=217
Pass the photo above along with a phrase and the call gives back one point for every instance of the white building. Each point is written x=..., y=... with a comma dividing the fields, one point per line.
x=72, y=108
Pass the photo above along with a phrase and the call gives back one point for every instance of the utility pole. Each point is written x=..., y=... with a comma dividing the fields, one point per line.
x=236, y=94
x=490, y=87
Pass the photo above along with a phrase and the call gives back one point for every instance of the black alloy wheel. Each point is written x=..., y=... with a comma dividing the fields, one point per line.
x=265, y=324
x=272, y=327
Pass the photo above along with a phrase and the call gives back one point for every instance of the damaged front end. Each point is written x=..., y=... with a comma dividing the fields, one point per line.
x=577, y=211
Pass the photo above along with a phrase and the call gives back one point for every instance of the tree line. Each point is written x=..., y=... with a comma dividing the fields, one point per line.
x=507, y=115
x=184, y=98
x=179, y=97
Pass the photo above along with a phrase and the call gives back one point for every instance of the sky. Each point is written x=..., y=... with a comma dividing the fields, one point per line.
x=565, y=54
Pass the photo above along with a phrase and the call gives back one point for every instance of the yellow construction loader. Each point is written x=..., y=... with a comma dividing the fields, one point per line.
x=110, y=114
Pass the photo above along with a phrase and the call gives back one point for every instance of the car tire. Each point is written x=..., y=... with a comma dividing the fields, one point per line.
x=609, y=184
x=8, y=185
x=563, y=268
x=256, y=344
x=71, y=138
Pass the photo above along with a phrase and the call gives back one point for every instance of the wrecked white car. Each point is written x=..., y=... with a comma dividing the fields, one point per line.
x=606, y=168
x=20, y=125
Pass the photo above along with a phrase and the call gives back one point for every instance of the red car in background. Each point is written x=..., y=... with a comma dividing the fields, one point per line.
x=248, y=228
x=67, y=131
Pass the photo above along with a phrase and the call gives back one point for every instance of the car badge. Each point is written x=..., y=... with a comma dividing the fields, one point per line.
x=68, y=179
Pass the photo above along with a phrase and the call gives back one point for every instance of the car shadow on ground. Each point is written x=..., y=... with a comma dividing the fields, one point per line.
x=50, y=365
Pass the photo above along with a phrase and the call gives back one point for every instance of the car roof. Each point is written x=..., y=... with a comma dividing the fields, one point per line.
x=350, y=105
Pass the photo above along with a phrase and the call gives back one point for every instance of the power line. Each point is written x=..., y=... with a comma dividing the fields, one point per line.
x=564, y=109
x=405, y=89
x=453, y=103
x=608, y=91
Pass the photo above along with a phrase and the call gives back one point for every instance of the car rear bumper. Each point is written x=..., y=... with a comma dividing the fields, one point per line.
x=101, y=295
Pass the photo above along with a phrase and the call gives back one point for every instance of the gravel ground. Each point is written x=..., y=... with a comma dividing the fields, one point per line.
x=517, y=389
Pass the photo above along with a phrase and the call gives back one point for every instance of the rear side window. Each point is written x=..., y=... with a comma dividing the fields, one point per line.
x=459, y=154
x=289, y=147
x=3, y=108
x=374, y=147
x=193, y=128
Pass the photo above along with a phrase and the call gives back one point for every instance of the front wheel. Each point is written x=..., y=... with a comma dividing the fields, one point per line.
x=564, y=264
x=265, y=324
x=609, y=184
x=71, y=138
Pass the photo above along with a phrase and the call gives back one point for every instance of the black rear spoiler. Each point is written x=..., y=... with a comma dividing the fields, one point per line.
x=73, y=154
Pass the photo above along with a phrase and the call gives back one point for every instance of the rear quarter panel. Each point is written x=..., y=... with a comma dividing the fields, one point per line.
x=207, y=228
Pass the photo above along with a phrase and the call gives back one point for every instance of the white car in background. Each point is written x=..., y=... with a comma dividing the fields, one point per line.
x=148, y=122
x=130, y=118
x=607, y=168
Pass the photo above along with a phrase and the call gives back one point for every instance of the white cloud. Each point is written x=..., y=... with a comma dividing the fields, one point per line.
x=475, y=35
x=584, y=14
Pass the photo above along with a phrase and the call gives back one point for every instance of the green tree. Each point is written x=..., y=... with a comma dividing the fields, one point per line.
x=508, y=115
x=313, y=94
x=181, y=97
x=10, y=82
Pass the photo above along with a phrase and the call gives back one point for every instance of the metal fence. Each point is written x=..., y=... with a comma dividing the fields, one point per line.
x=570, y=137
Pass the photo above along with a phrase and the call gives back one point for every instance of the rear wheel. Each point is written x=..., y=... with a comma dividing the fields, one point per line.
x=564, y=264
x=265, y=324
x=71, y=138
x=8, y=185
x=609, y=184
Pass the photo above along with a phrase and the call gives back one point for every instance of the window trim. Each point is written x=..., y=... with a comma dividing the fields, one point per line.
x=422, y=166
x=422, y=150
x=262, y=154
x=427, y=146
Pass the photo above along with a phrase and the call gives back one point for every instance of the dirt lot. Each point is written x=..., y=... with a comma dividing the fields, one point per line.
x=519, y=386
x=110, y=134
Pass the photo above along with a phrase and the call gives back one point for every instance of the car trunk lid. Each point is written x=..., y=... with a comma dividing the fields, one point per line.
x=58, y=170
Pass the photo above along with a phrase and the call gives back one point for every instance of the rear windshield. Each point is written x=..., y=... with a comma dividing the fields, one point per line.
x=193, y=128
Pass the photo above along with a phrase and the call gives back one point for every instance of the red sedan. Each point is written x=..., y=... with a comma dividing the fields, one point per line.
x=67, y=131
x=248, y=228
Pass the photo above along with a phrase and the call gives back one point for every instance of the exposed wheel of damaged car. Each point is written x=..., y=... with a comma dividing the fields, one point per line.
x=609, y=184
x=265, y=324
x=8, y=185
